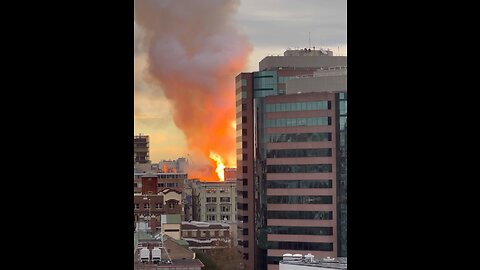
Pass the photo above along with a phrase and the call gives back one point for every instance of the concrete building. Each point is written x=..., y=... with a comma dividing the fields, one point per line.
x=141, y=146
x=173, y=166
x=209, y=235
x=215, y=201
x=153, y=202
x=288, y=114
x=174, y=181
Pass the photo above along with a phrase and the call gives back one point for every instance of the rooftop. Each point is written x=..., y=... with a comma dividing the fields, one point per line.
x=328, y=263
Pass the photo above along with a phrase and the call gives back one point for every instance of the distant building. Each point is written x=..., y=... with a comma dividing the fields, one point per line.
x=173, y=166
x=230, y=174
x=209, y=235
x=214, y=201
x=141, y=149
x=164, y=180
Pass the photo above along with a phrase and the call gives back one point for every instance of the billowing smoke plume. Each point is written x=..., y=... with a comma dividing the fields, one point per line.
x=194, y=54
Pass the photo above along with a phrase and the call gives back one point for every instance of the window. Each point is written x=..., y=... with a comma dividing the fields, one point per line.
x=211, y=217
x=146, y=206
x=317, y=215
x=244, y=169
x=225, y=217
x=158, y=205
x=307, y=168
x=211, y=208
x=287, y=153
x=299, y=199
x=301, y=246
x=298, y=137
x=299, y=184
x=297, y=122
x=211, y=199
x=300, y=230
x=137, y=206
x=225, y=208
x=225, y=199
x=135, y=185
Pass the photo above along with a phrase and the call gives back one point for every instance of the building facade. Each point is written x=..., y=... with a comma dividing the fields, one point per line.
x=141, y=145
x=209, y=235
x=214, y=201
x=153, y=202
x=287, y=156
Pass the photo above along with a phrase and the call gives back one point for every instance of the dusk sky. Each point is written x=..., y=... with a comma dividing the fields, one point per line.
x=270, y=26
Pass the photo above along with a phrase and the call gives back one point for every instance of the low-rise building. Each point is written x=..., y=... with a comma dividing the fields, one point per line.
x=214, y=201
x=209, y=235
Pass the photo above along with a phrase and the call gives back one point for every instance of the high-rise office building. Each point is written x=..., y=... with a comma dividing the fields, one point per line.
x=290, y=118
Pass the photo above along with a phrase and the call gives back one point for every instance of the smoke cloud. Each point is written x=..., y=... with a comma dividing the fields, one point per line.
x=194, y=53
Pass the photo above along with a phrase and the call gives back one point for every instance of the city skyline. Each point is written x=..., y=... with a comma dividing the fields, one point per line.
x=270, y=27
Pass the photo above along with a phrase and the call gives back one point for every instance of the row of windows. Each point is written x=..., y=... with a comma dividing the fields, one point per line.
x=157, y=206
x=300, y=230
x=214, y=199
x=298, y=122
x=214, y=217
x=320, y=215
x=309, y=168
x=299, y=184
x=299, y=199
x=283, y=153
x=298, y=137
x=298, y=106
x=241, y=95
x=213, y=208
x=301, y=246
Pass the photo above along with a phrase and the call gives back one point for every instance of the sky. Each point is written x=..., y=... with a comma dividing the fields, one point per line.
x=271, y=27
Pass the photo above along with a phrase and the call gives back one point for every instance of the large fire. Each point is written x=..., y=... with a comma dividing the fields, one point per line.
x=195, y=63
x=220, y=165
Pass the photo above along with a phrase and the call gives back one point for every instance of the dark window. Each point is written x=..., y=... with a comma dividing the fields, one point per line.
x=244, y=132
x=282, y=153
x=300, y=230
x=244, y=119
x=301, y=246
x=299, y=199
x=299, y=183
x=319, y=215
x=245, y=169
x=307, y=168
x=298, y=137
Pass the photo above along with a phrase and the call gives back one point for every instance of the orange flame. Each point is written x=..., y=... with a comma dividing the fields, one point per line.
x=220, y=165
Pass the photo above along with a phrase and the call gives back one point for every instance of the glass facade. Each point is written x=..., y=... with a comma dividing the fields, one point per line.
x=341, y=128
x=299, y=199
x=300, y=230
x=318, y=215
x=298, y=137
x=301, y=246
x=299, y=184
x=298, y=106
x=298, y=122
x=309, y=168
x=289, y=153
